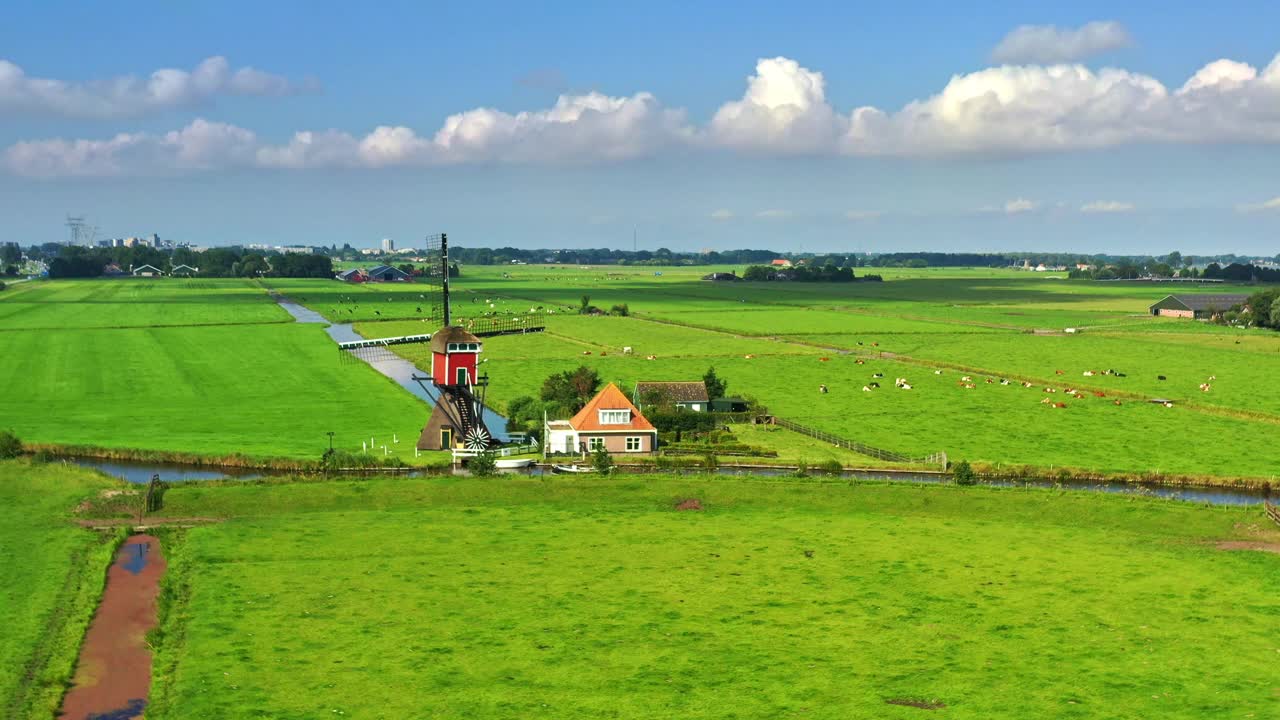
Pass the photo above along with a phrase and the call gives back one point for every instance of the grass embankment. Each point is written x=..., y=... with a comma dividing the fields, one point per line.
x=586, y=598
x=51, y=577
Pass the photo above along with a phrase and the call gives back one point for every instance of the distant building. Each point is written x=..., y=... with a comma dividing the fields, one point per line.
x=683, y=395
x=354, y=275
x=609, y=421
x=1199, y=306
x=296, y=249
x=388, y=245
x=719, y=276
x=146, y=271
x=781, y=262
x=184, y=271
x=386, y=273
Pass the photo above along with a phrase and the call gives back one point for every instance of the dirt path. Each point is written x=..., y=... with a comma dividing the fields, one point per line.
x=114, y=671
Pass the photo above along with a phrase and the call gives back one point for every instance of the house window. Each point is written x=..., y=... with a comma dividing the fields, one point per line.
x=633, y=444
x=595, y=443
x=615, y=417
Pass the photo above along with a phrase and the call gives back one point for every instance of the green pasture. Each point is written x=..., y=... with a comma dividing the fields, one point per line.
x=136, y=302
x=257, y=390
x=575, y=598
x=50, y=580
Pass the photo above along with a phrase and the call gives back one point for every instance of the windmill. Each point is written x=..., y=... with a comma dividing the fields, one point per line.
x=455, y=381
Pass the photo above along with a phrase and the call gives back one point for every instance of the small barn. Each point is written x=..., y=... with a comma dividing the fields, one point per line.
x=386, y=273
x=146, y=271
x=184, y=271
x=354, y=275
x=721, y=277
x=682, y=395
x=781, y=263
x=1197, y=305
x=609, y=421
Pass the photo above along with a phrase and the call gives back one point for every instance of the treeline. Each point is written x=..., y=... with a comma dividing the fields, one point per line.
x=73, y=261
x=1129, y=270
x=829, y=273
x=605, y=256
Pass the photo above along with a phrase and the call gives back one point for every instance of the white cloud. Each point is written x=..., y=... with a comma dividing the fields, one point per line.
x=997, y=111
x=129, y=95
x=1052, y=44
x=1019, y=205
x=1106, y=206
x=201, y=145
x=1272, y=204
x=773, y=214
x=862, y=214
x=722, y=214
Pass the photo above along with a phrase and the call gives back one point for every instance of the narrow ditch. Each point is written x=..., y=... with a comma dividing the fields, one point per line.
x=113, y=673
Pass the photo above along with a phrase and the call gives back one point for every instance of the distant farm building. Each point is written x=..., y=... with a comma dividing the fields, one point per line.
x=682, y=395
x=354, y=275
x=184, y=271
x=386, y=273
x=729, y=405
x=146, y=271
x=781, y=262
x=609, y=421
x=1199, y=306
x=721, y=277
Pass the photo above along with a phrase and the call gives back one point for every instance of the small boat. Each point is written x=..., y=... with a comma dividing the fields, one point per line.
x=571, y=469
x=513, y=463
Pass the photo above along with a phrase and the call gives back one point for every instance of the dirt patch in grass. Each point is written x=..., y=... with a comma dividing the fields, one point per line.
x=1271, y=547
x=916, y=703
x=689, y=504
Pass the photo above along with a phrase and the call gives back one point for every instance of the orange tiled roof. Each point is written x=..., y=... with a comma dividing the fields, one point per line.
x=610, y=398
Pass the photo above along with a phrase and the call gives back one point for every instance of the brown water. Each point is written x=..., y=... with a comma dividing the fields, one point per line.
x=113, y=675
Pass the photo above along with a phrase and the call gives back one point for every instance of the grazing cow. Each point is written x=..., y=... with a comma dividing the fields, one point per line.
x=626, y=350
x=989, y=381
x=866, y=389
x=824, y=359
x=650, y=357
x=874, y=384
x=822, y=389
x=1089, y=373
x=1161, y=377
x=905, y=386
x=1212, y=378
x=1168, y=404
x=1099, y=394
x=860, y=362
x=937, y=372
x=1116, y=402
x=875, y=344
x=749, y=357
x=586, y=352
x=1204, y=387
x=877, y=375
x=1004, y=381
x=1027, y=384
x=1058, y=372
x=965, y=378
x=1045, y=401
x=1060, y=405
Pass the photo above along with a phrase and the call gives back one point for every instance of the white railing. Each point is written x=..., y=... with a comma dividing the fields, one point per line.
x=507, y=451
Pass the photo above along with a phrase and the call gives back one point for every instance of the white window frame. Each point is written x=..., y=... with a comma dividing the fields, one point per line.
x=595, y=443
x=609, y=417
x=637, y=441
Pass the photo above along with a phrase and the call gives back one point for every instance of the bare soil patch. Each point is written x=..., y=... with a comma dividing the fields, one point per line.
x=1271, y=547
x=113, y=674
x=689, y=504
x=916, y=703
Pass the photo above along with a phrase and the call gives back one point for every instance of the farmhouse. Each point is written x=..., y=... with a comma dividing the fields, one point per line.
x=386, y=273
x=1199, y=306
x=683, y=395
x=609, y=421
x=781, y=263
x=146, y=271
x=184, y=271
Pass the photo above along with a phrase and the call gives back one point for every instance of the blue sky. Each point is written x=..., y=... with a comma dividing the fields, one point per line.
x=670, y=124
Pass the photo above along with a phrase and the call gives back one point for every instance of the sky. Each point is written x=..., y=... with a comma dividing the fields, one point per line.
x=1139, y=127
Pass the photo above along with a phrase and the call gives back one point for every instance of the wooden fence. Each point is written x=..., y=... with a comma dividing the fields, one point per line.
x=938, y=458
x=1272, y=510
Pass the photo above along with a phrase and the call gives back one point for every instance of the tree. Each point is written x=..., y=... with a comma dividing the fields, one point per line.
x=584, y=305
x=601, y=460
x=10, y=445
x=571, y=389
x=10, y=254
x=963, y=473
x=483, y=465
x=715, y=386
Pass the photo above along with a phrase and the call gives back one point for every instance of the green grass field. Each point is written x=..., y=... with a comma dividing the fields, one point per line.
x=595, y=598
x=50, y=579
x=135, y=302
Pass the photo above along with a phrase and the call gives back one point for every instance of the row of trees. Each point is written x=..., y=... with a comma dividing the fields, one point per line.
x=805, y=273
x=74, y=261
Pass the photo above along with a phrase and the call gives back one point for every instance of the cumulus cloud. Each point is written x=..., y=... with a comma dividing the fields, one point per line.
x=1046, y=44
x=773, y=214
x=1272, y=204
x=131, y=95
x=1106, y=206
x=996, y=111
x=722, y=214
x=201, y=145
x=1019, y=205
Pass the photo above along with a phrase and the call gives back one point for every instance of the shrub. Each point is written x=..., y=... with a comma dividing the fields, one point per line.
x=709, y=461
x=620, y=310
x=963, y=473
x=483, y=465
x=802, y=470
x=832, y=467
x=601, y=461
x=10, y=445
